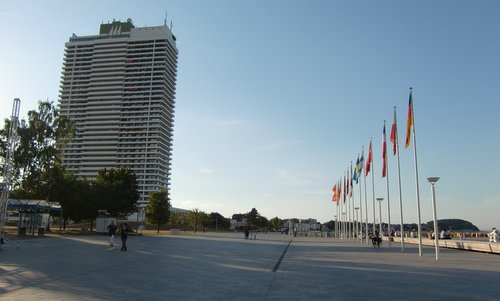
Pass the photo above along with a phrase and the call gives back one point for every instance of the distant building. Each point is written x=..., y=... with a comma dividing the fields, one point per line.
x=238, y=221
x=304, y=227
x=118, y=87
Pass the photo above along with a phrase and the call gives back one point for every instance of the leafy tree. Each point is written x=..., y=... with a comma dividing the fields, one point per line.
x=158, y=209
x=252, y=217
x=262, y=222
x=179, y=219
x=453, y=225
x=330, y=225
x=41, y=140
x=198, y=218
x=76, y=197
x=257, y=220
x=217, y=221
x=116, y=191
x=276, y=223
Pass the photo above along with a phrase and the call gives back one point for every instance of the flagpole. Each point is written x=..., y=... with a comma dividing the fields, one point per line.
x=402, y=230
x=366, y=206
x=349, y=205
x=340, y=223
x=344, y=207
x=361, y=193
x=336, y=223
x=344, y=212
x=342, y=236
x=388, y=202
x=416, y=179
x=348, y=209
x=353, y=234
x=373, y=192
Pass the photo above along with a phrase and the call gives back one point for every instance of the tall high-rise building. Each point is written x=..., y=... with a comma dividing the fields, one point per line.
x=118, y=87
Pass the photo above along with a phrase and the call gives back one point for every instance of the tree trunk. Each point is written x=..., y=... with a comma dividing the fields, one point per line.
x=158, y=229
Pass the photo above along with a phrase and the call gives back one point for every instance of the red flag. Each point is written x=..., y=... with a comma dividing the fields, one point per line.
x=334, y=198
x=394, y=134
x=384, y=155
x=409, y=122
x=369, y=160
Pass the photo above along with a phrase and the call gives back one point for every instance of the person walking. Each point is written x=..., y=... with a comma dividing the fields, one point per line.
x=111, y=233
x=493, y=235
x=124, y=236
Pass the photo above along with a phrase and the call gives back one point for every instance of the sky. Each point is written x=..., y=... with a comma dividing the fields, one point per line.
x=275, y=99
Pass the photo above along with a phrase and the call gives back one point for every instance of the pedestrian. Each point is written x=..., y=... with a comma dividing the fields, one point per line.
x=493, y=235
x=111, y=233
x=124, y=236
x=246, y=231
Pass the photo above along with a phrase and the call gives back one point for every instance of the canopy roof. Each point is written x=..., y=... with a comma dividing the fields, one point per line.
x=33, y=205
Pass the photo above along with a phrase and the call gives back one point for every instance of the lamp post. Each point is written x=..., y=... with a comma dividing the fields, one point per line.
x=356, y=228
x=380, y=216
x=433, y=181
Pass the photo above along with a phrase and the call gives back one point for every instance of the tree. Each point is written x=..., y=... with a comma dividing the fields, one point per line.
x=330, y=225
x=116, y=191
x=453, y=224
x=257, y=220
x=76, y=197
x=217, y=221
x=198, y=218
x=262, y=222
x=41, y=141
x=158, y=209
x=179, y=219
x=252, y=216
x=276, y=223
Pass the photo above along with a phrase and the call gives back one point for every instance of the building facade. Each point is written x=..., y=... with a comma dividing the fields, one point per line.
x=238, y=222
x=118, y=87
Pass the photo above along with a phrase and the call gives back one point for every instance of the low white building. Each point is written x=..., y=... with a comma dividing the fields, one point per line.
x=238, y=221
x=304, y=227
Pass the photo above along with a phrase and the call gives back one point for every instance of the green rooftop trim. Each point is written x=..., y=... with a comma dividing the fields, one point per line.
x=116, y=27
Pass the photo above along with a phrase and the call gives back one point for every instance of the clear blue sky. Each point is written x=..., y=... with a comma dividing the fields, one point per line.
x=276, y=98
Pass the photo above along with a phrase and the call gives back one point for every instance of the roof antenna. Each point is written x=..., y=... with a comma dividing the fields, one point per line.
x=165, y=21
x=171, y=25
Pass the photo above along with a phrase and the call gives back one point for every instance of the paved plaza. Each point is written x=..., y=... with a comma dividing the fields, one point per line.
x=224, y=266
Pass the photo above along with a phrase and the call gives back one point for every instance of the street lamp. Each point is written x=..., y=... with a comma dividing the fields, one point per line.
x=433, y=181
x=380, y=216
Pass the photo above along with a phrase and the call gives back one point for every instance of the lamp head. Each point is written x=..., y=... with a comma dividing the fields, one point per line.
x=432, y=180
x=380, y=199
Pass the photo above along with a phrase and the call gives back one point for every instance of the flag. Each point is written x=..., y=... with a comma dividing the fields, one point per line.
x=334, y=198
x=384, y=155
x=361, y=162
x=369, y=160
x=350, y=184
x=409, y=122
x=394, y=134
x=355, y=174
